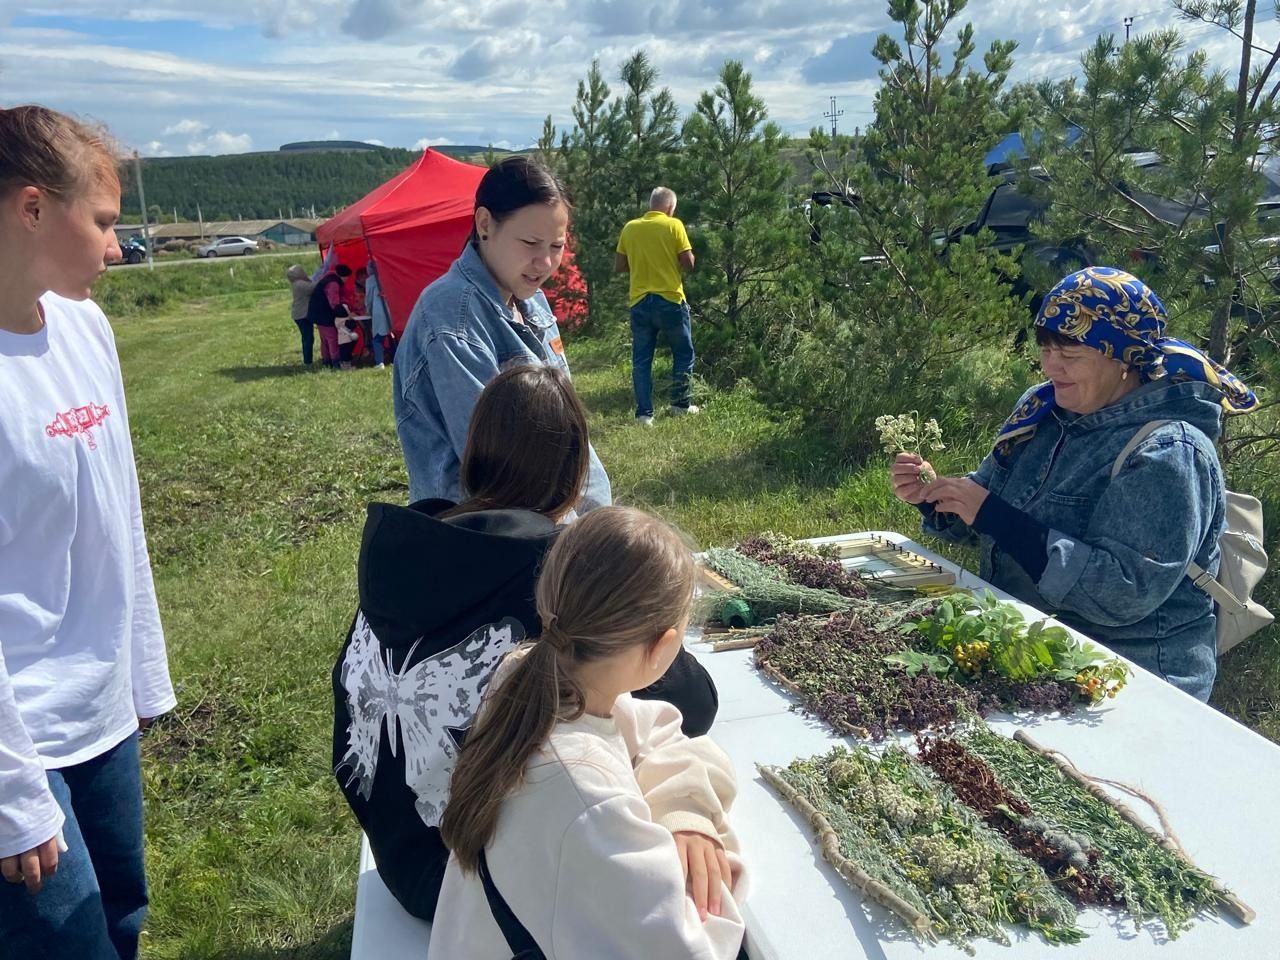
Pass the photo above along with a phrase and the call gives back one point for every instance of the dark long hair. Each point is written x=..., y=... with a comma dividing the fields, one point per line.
x=515, y=183
x=527, y=446
x=615, y=579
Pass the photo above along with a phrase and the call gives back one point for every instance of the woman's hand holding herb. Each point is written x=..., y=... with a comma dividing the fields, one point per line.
x=958, y=495
x=905, y=475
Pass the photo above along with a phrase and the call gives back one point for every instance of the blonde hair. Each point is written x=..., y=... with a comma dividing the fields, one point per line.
x=61, y=156
x=617, y=578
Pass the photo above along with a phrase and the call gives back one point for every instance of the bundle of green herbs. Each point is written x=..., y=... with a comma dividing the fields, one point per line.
x=968, y=638
x=839, y=668
x=1153, y=880
x=903, y=838
x=1070, y=861
x=804, y=563
x=766, y=589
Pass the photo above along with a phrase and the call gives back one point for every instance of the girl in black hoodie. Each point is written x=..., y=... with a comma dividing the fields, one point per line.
x=446, y=591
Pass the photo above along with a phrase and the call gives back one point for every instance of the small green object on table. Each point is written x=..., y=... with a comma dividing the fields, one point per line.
x=736, y=613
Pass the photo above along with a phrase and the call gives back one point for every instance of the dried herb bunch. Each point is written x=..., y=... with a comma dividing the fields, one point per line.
x=804, y=564
x=839, y=668
x=1152, y=879
x=917, y=842
x=907, y=433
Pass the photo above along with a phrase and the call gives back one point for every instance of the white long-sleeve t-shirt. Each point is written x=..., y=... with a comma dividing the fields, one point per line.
x=584, y=852
x=82, y=652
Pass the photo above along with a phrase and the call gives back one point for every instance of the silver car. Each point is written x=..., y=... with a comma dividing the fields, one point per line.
x=228, y=247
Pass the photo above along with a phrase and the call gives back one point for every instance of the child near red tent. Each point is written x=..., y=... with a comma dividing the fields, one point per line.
x=325, y=309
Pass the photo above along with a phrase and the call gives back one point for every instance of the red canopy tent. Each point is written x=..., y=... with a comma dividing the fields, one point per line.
x=415, y=226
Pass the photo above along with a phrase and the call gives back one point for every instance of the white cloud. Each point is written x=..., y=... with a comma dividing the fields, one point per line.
x=185, y=128
x=393, y=68
x=332, y=135
x=155, y=148
x=375, y=141
x=221, y=142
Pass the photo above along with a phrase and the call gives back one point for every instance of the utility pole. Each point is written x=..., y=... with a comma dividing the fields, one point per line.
x=142, y=199
x=1128, y=24
x=833, y=115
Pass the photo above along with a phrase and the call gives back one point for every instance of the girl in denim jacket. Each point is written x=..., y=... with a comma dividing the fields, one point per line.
x=1107, y=556
x=487, y=311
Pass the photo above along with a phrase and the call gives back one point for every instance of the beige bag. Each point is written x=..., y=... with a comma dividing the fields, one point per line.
x=1243, y=565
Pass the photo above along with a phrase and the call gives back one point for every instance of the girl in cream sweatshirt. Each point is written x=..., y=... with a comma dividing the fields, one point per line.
x=603, y=828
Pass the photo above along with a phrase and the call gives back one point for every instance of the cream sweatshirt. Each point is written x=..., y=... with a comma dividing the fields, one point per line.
x=584, y=853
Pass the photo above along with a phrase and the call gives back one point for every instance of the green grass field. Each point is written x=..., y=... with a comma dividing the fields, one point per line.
x=255, y=475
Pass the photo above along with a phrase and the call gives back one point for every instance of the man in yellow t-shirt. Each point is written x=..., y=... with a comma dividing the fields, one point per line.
x=655, y=250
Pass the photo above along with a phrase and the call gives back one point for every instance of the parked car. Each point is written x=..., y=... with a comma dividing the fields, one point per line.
x=228, y=247
x=132, y=250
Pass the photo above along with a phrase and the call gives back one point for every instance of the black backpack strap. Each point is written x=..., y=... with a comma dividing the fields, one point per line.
x=520, y=940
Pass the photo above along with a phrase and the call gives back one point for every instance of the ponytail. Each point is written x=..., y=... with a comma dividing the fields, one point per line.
x=518, y=716
x=616, y=579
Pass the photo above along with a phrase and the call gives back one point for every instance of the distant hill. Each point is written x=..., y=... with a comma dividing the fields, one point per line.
x=324, y=174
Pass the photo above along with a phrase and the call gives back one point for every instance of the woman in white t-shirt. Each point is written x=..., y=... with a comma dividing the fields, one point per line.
x=82, y=655
x=581, y=822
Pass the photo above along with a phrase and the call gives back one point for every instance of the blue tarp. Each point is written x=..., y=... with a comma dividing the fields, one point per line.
x=1013, y=148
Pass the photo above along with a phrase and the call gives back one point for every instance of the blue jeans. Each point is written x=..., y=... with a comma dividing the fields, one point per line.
x=92, y=908
x=650, y=316
x=308, y=331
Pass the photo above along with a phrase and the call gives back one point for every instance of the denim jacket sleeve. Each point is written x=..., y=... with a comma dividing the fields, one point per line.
x=453, y=369
x=1136, y=550
x=949, y=527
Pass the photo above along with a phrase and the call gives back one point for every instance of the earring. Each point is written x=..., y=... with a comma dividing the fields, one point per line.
x=1125, y=375
x=484, y=236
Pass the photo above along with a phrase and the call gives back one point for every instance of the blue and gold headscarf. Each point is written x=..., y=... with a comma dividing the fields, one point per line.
x=1119, y=315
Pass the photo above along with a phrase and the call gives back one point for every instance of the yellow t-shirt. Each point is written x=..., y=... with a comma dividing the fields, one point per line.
x=651, y=245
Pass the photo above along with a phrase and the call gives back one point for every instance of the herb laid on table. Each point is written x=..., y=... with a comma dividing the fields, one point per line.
x=971, y=637
x=767, y=589
x=804, y=564
x=838, y=668
x=1152, y=879
x=910, y=837
x=907, y=433
x=1070, y=861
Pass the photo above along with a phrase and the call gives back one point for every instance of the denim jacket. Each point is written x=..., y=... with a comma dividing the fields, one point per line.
x=1119, y=549
x=458, y=337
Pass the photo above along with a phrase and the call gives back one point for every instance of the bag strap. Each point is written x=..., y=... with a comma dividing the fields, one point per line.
x=1146, y=430
x=1210, y=585
x=519, y=940
x=1198, y=574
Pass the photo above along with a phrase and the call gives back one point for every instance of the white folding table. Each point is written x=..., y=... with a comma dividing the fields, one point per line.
x=1218, y=781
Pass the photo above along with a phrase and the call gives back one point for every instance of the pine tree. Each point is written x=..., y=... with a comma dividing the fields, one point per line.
x=590, y=157
x=651, y=135
x=734, y=198
x=896, y=295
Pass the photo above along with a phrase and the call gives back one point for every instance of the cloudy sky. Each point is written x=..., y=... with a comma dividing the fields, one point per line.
x=174, y=77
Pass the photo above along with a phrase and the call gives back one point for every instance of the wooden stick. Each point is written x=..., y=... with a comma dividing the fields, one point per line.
x=1230, y=902
x=736, y=643
x=713, y=579
x=858, y=878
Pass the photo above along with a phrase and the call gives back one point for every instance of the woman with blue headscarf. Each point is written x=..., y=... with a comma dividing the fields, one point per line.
x=1106, y=555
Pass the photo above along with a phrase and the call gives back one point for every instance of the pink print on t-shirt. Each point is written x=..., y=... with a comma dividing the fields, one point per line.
x=79, y=420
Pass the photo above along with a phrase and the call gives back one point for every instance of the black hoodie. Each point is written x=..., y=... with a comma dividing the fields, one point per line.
x=441, y=603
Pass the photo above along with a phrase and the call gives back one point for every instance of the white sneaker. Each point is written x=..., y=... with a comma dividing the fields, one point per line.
x=685, y=411
x=645, y=421
x=379, y=366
